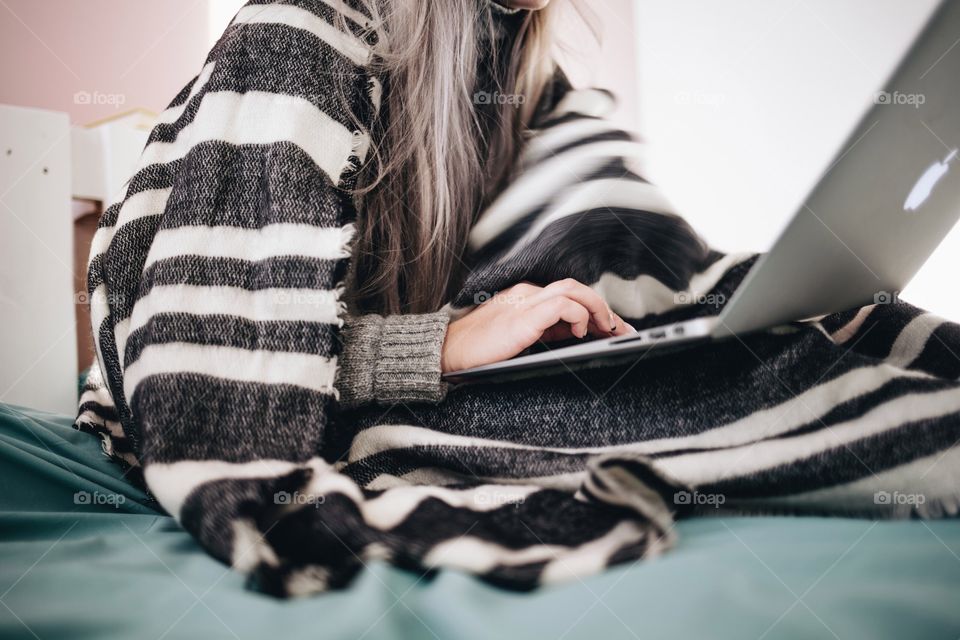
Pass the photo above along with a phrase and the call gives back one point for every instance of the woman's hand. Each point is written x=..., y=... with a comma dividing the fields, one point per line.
x=523, y=315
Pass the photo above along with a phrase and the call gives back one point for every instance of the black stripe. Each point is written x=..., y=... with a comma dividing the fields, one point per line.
x=606, y=136
x=154, y=176
x=123, y=263
x=290, y=62
x=635, y=401
x=286, y=272
x=231, y=331
x=99, y=410
x=843, y=464
x=330, y=15
x=471, y=462
x=238, y=197
x=584, y=246
x=187, y=416
x=110, y=363
x=501, y=244
x=839, y=413
x=941, y=353
x=881, y=329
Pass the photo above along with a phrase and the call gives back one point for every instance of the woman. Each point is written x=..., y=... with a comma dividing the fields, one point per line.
x=371, y=142
x=410, y=259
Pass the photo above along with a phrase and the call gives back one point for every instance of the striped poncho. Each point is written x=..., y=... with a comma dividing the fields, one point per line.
x=215, y=284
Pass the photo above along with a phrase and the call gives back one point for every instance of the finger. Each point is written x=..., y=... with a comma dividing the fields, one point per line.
x=623, y=329
x=600, y=312
x=560, y=309
x=561, y=331
x=557, y=333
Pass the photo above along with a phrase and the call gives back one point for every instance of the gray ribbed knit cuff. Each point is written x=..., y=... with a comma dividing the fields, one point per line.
x=392, y=359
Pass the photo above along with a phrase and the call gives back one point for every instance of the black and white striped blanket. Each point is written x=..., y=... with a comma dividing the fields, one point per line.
x=214, y=285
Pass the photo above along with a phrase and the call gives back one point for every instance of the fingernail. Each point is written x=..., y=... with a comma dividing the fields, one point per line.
x=613, y=322
x=630, y=326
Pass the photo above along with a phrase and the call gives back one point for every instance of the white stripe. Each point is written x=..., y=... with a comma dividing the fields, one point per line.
x=90, y=417
x=274, y=240
x=589, y=102
x=172, y=483
x=593, y=557
x=309, y=371
x=565, y=481
x=121, y=331
x=479, y=556
x=645, y=294
x=596, y=194
x=912, y=339
x=541, y=183
x=99, y=309
x=847, y=331
x=264, y=305
x=936, y=478
x=391, y=508
x=767, y=423
x=347, y=44
x=699, y=468
x=249, y=547
x=258, y=117
x=375, y=90
x=151, y=202
x=172, y=114
x=546, y=141
x=341, y=7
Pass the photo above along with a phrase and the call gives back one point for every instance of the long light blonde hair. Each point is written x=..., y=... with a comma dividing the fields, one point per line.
x=434, y=163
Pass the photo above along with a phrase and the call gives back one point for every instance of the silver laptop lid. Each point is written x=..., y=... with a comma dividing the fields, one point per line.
x=882, y=206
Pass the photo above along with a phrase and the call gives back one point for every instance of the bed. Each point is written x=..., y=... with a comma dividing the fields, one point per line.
x=84, y=554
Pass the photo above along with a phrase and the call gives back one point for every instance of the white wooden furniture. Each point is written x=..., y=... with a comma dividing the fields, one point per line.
x=37, y=321
x=44, y=165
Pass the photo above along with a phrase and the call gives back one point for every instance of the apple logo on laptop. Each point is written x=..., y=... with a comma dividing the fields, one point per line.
x=924, y=187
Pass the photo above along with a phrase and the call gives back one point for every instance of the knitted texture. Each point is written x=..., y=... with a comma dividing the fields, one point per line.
x=393, y=359
x=215, y=287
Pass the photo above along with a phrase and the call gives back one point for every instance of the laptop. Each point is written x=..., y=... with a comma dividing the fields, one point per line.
x=888, y=198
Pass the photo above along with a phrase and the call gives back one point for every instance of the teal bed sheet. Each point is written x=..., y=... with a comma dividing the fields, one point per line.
x=84, y=555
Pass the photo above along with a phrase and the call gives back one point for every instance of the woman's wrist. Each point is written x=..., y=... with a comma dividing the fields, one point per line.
x=392, y=359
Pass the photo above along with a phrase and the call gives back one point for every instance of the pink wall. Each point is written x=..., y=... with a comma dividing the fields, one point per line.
x=610, y=64
x=70, y=55
x=95, y=58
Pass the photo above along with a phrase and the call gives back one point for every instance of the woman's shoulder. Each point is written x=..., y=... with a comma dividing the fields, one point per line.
x=298, y=52
x=338, y=32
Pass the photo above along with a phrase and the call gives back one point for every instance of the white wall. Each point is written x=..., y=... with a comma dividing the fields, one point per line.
x=746, y=101
x=600, y=49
